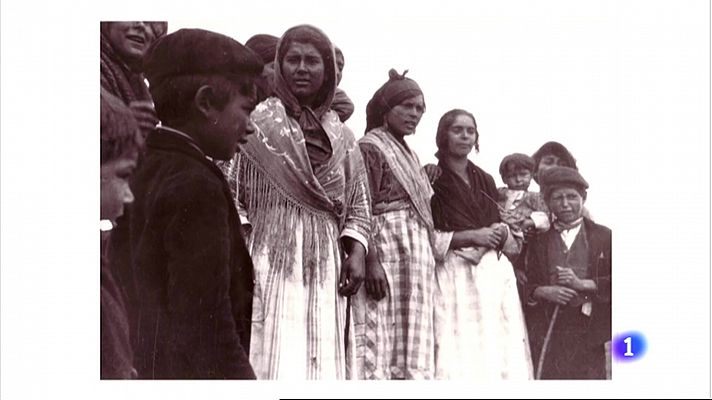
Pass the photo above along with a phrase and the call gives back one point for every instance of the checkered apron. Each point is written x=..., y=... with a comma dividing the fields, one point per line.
x=394, y=336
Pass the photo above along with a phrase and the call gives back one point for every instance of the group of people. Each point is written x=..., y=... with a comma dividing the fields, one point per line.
x=247, y=234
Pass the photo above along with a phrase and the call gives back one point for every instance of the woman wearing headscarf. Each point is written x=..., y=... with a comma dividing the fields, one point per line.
x=123, y=45
x=342, y=103
x=479, y=325
x=552, y=154
x=306, y=195
x=265, y=46
x=393, y=316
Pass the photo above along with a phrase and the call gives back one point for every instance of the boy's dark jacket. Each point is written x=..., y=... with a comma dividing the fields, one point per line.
x=599, y=257
x=192, y=276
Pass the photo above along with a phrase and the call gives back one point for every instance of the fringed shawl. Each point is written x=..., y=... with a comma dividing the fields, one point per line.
x=118, y=78
x=406, y=167
x=281, y=190
x=457, y=206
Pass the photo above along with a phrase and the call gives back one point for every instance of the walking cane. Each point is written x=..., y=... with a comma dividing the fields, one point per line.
x=545, y=346
x=347, y=328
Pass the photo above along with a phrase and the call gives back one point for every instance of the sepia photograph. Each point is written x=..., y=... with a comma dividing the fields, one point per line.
x=341, y=191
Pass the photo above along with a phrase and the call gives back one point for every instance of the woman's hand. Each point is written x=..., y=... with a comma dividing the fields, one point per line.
x=246, y=230
x=145, y=115
x=555, y=294
x=487, y=237
x=352, y=270
x=503, y=233
x=376, y=281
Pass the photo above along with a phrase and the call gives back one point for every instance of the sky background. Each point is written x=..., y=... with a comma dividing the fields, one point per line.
x=527, y=79
x=585, y=74
x=624, y=84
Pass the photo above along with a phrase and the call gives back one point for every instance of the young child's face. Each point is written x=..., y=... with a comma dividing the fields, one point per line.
x=566, y=203
x=115, y=191
x=518, y=178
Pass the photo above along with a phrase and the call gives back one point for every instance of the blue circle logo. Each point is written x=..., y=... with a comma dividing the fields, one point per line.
x=629, y=346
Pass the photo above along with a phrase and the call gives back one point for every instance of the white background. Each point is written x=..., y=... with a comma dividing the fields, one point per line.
x=625, y=85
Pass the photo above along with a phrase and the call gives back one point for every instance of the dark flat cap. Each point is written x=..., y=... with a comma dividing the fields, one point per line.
x=197, y=51
x=518, y=160
x=562, y=177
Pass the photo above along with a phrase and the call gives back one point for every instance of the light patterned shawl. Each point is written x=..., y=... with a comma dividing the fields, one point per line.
x=406, y=167
x=281, y=190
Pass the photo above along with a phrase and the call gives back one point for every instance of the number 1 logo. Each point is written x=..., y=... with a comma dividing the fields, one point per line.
x=629, y=346
x=628, y=341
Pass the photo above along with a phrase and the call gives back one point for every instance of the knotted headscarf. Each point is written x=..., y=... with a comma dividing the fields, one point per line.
x=395, y=91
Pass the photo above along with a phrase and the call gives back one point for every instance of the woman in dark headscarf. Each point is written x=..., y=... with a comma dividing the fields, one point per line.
x=394, y=315
x=123, y=45
x=342, y=103
x=265, y=46
x=307, y=200
x=552, y=154
x=479, y=326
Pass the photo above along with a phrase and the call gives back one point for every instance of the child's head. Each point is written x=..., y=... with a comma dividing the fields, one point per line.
x=339, y=64
x=549, y=155
x=564, y=191
x=516, y=171
x=120, y=144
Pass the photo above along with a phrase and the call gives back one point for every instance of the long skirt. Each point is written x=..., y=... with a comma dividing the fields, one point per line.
x=298, y=329
x=394, y=336
x=480, y=333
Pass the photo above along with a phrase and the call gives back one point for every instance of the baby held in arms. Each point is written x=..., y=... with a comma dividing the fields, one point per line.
x=519, y=208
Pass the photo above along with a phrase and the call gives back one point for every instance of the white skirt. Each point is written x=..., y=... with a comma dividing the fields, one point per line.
x=480, y=333
x=298, y=329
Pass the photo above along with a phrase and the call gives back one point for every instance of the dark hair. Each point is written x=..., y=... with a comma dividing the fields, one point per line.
x=557, y=149
x=119, y=130
x=516, y=160
x=444, y=125
x=263, y=45
x=173, y=96
x=310, y=35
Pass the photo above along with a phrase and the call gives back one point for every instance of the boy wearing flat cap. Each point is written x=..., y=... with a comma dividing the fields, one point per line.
x=192, y=273
x=569, y=284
